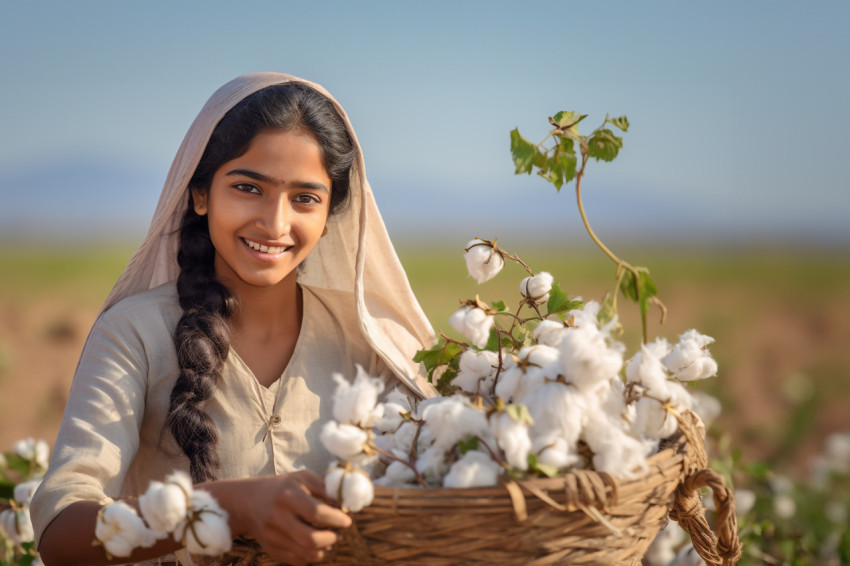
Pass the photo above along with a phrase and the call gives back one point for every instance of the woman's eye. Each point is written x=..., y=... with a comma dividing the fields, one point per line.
x=307, y=199
x=247, y=188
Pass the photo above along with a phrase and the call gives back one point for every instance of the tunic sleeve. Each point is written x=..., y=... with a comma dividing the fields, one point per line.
x=99, y=434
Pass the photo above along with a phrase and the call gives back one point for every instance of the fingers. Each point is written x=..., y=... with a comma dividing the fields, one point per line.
x=312, y=511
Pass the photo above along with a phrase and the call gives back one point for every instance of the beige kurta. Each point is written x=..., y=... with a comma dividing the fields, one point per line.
x=113, y=440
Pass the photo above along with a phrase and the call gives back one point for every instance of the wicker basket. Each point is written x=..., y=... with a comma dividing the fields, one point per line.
x=584, y=517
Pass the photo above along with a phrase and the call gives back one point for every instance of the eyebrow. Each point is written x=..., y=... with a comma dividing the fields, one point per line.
x=266, y=179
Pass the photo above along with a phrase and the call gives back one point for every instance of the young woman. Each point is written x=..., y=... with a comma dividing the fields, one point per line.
x=265, y=270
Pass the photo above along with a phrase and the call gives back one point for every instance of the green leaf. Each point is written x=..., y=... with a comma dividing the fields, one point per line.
x=493, y=341
x=7, y=490
x=604, y=145
x=568, y=163
x=628, y=285
x=498, y=305
x=544, y=469
x=523, y=152
x=621, y=122
x=558, y=299
x=519, y=413
x=565, y=118
x=467, y=444
x=441, y=354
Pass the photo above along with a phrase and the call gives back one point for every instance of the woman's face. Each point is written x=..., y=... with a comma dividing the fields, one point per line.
x=267, y=209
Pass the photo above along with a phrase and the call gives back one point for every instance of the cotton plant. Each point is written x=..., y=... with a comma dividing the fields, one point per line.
x=21, y=470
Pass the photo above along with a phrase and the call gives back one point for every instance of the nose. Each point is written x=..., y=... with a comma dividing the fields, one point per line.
x=276, y=216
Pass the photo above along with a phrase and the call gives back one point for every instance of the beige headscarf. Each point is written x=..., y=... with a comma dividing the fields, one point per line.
x=355, y=254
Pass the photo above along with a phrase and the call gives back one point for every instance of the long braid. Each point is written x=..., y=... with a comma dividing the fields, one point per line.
x=202, y=340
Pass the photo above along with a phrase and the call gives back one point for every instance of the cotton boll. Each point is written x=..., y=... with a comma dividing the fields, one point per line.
x=24, y=491
x=646, y=368
x=615, y=451
x=587, y=360
x=482, y=261
x=687, y=556
x=536, y=288
x=557, y=410
x=689, y=360
x=342, y=440
x=357, y=490
x=474, y=469
x=454, y=419
x=476, y=371
x=663, y=547
x=652, y=420
x=32, y=450
x=512, y=437
x=745, y=499
x=587, y=317
x=120, y=529
x=205, y=530
x=708, y=408
x=17, y=525
x=163, y=505
x=532, y=367
x=473, y=323
x=433, y=463
x=549, y=332
x=837, y=452
x=357, y=403
x=333, y=481
x=392, y=417
x=555, y=451
x=397, y=474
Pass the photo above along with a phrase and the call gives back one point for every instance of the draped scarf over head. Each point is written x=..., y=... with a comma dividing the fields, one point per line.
x=355, y=255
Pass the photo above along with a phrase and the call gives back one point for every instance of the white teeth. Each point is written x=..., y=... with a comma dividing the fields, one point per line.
x=265, y=249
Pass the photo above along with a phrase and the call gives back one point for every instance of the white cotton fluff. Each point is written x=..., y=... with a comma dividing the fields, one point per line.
x=615, y=451
x=120, y=529
x=453, y=419
x=352, y=488
x=663, y=547
x=558, y=411
x=473, y=469
x=690, y=360
x=205, y=530
x=530, y=368
x=512, y=437
x=549, y=332
x=745, y=499
x=164, y=505
x=473, y=323
x=356, y=403
x=837, y=452
x=476, y=371
x=646, y=369
x=433, y=463
x=482, y=261
x=536, y=288
x=555, y=451
x=396, y=474
x=343, y=440
x=33, y=450
x=17, y=525
x=24, y=491
x=687, y=556
x=586, y=358
x=653, y=420
x=707, y=407
x=586, y=317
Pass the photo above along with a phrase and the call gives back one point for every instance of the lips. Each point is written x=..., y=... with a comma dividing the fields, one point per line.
x=264, y=248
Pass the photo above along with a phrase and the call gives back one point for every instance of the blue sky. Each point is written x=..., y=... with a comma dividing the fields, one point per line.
x=738, y=109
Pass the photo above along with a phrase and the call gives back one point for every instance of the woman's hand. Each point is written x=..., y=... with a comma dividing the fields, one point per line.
x=289, y=515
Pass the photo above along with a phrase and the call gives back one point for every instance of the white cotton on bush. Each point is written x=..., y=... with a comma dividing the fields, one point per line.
x=476, y=371
x=120, y=529
x=205, y=530
x=473, y=323
x=745, y=499
x=663, y=547
x=357, y=403
x=646, y=369
x=473, y=469
x=453, y=419
x=586, y=317
x=24, y=491
x=558, y=411
x=34, y=451
x=482, y=261
x=343, y=440
x=586, y=358
x=163, y=505
x=690, y=360
x=512, y=437
x=549, y=332
x=615, y=451
x=17, y=525
x=528, y=369
x=536, y=288
x=396, y=474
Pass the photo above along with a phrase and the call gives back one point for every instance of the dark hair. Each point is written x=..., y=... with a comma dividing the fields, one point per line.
x=202, y=336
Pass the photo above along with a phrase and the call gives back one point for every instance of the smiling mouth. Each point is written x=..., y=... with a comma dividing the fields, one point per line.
x=264, y=248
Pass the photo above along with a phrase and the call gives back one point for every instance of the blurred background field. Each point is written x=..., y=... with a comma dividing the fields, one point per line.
x=781, y=320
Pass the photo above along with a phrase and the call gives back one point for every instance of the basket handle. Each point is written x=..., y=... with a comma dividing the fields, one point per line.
x=724, y=548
